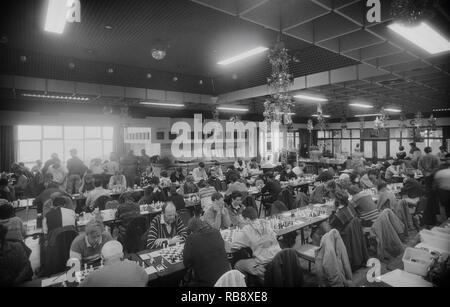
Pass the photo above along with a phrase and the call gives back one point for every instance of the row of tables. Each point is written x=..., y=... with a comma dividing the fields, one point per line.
x=171, y=258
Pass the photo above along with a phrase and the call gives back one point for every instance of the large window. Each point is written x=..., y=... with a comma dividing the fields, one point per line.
x=39, y=142
x=339, y=142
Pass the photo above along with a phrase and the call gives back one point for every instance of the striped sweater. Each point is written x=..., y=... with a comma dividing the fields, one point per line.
x=365, y=207
x=158, y=230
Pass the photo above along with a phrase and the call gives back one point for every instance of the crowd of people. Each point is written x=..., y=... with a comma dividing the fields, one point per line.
x=225, y=202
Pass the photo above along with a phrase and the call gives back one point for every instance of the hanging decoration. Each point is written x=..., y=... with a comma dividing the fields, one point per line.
x=310, y=125
x=235, y=119
x=418, y=120
x=344, y=125
x=159, y=50
x=380, y=121
x=321, y=125
x=403, y=121
x=277, y=108
x=412, y=12
x=107, y=110
x=124, y=112
x=361, y=123
x=215, y=115
x=432, y=122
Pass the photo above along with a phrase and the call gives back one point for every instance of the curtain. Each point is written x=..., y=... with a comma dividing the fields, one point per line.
x=7, y=147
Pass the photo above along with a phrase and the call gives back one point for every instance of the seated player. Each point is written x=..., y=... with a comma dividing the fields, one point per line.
x=236, y=186
x=369, y=180
x=204, y=253
x=364, y=205
x=199, y=173
x=15, y=267
x=188, y=187
x=260, y=238
x=217, y=215
x=14, y=225
x=166, y=228
x=152, y=193
x=59, y=215
x=117, y=271
x=87, y=246
x=118, y=182
x=96, y=193
x=236, y=209
x=205, y=192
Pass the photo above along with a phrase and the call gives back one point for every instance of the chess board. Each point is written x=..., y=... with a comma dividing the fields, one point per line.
x=172, y=254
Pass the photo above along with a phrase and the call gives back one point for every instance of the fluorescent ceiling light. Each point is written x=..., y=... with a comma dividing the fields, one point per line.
x=243, y=55
x=308, y=97
x=162, y=104
x=393, y=110
x=56, y=16
x=232, y=109
x=423, y=36
x=56, y=97
x=326, y=116
x=367, y=115
x=360, y=105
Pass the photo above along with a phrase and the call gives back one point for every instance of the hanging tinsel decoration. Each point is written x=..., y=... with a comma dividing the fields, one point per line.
x=321, y=125
x=277, y=108
x=215, y=115
x=432, y=122
x=403, y=121
x=310, y=125
x=235, y=119
x=344, y=125
x=418, y=120
x=381, y=121
x=412, y=12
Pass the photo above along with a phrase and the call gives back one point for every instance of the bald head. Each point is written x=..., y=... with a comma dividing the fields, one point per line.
x=112, y=250
x=170, y=212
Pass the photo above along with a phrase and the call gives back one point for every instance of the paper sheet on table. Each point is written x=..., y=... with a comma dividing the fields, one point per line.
x=150, y=270
x=53, y=280
x=400, y=278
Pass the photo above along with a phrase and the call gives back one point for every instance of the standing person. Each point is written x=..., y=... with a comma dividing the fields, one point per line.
x=428, y=163
x=59, y=175
x=130, y=168
x=76, y=170
x=217, y=215
x=442, y=185
x=414, y=152
x=117, y=271
x=260, y=238
x=144, y=161
x=204, y=253
x=54, y=159
x=110, y=167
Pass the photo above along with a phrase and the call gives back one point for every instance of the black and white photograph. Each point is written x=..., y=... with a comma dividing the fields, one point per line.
x=225, y=149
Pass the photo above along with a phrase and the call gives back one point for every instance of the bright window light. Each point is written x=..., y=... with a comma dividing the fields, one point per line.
x=160, y=104
x=325, y=116
x=243, y=55
x=360, y=105
x=313, y=98
x=423, y=36
x=367, y=115
x=393, y=110
x=56, y=16
x=232, y=109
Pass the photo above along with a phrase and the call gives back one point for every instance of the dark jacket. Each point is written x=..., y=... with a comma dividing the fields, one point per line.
x=272, y=187
x=178, y=201
x=355, y=243
x=284, y=270
x=58, y=249
x=205, y=254
x=15, y=268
